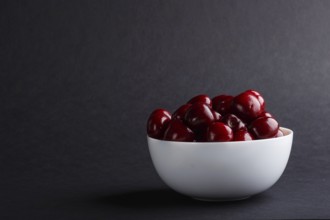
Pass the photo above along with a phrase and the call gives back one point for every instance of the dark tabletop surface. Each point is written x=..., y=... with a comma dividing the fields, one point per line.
x=79, y=78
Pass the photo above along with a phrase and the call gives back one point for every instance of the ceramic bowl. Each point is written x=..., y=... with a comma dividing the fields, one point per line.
x=221, y=171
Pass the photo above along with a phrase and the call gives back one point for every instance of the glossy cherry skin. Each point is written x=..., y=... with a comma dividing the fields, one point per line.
x=242, y=135
x=181, y=112
x=202, y=99
x=266, y=114
x=217, y=115
x=259, y=97
x=198, y=116
x=233, y=122
x=264, y=127
x=279, y=133
x=247, y=106
x=178, y=131
x=222, y=103
x=157, y=123
x=218, y=131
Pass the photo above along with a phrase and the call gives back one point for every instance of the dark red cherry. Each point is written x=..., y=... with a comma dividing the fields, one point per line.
x=259, y=97
x=217, y=116
x=202, y=99
x=178, y=131
x=218, y=131
x=247, y=106
x=242, y=135
x=157, y=123
x=200, y=135
x=222, y=103
x=198, y=116
x=180, y=112
x=266, y=114
x=264, y=127
x=233, y=122
x=279, y=133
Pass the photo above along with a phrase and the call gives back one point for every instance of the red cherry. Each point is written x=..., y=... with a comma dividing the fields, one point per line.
x=222, y=103
x=180, y=112
x=233, y=122
x=202, y=99
x=259, y=97
x=178, y=131
x=242, y=135
x=279, y=133
x=266, y=114
x=157, y=123
x=264, y=127
x=217, y=116
x=198, y=116
x=218, y=131
x=247, y=106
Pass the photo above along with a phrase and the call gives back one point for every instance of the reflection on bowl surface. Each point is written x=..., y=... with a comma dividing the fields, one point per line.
x=221, y=170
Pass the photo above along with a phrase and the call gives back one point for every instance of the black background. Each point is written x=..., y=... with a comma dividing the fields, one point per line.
x=79, y=78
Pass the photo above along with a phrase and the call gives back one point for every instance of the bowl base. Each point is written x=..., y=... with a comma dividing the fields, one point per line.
x=221, y=200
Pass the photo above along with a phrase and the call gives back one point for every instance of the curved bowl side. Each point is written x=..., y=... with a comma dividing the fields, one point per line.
x=223, y=169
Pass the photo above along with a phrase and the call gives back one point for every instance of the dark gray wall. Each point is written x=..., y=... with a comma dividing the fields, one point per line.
x=78, y=80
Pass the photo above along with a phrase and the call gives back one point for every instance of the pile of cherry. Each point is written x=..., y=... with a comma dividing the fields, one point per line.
x=224, y=118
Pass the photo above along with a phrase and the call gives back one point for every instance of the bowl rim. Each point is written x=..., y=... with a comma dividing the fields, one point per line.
x=287, y=130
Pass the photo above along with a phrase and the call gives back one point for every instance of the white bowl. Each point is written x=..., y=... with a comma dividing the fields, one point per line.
x=220, y=171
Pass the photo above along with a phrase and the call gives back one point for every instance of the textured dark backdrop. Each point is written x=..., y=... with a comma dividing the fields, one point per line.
x=78, y=80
